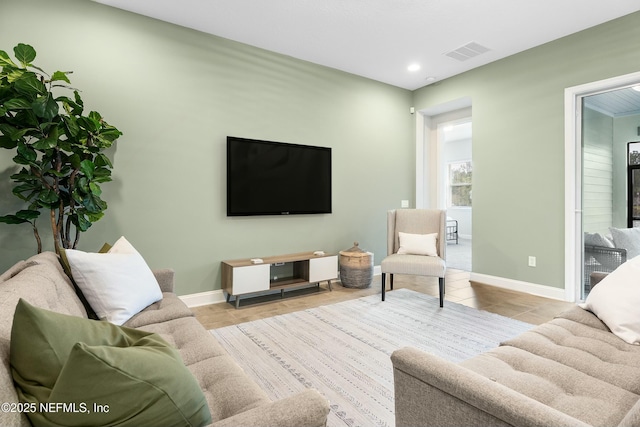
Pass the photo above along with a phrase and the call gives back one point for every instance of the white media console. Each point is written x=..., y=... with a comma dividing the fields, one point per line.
x=244, y=277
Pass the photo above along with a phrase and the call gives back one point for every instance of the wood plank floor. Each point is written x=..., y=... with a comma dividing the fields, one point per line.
x=517, y=305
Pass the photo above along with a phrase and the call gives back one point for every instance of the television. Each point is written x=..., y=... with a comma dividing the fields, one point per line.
x=276, y=178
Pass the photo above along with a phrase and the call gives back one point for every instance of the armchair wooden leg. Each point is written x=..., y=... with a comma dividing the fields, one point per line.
x=383, y=285
x=441, y=286
x=391, y=275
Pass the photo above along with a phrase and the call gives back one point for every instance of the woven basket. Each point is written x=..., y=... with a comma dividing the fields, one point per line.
x=356, y=268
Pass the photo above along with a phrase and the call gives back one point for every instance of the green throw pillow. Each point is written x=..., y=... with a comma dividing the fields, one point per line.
x=80, y=372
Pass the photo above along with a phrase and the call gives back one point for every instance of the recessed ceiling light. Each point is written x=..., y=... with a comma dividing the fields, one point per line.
x=413, y=67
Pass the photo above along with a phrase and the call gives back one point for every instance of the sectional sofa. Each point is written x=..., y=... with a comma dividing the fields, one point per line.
x=233, y=399
x=580, y=369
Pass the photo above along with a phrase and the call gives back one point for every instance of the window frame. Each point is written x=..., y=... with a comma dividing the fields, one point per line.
x=451, y=185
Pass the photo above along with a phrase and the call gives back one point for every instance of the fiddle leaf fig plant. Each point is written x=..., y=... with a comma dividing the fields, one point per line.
x=58, y=148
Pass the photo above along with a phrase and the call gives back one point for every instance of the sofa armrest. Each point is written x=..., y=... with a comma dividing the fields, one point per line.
x=305, y=409
x=165, y=278
x=433, y=391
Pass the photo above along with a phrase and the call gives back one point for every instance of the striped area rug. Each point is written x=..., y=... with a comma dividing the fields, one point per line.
x=342, y=350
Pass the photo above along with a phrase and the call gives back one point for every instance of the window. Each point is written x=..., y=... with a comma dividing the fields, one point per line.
x=460, y=184
x=633, y=184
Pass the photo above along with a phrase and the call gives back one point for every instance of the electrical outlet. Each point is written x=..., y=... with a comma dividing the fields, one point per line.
x=404, y=203
x=532, y=261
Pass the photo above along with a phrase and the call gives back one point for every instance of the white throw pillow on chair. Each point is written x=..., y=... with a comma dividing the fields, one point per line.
x=418, y=244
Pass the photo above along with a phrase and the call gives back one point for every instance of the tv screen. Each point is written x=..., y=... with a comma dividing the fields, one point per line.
x=275, y=178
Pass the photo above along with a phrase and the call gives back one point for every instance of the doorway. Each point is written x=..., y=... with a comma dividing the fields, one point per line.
x=588, y=208
x=445, y=177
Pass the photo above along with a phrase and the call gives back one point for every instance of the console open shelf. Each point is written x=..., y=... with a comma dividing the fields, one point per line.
x=242, y=277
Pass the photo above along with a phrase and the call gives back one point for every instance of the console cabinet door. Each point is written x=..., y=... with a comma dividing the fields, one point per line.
x=325, y=268
x=252, y=278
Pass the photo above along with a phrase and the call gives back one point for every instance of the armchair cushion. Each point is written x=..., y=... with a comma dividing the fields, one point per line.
x=418, y=265
x=418, y=244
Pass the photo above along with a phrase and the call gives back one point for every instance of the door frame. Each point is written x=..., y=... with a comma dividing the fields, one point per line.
x=573, y=97
x=429, y=151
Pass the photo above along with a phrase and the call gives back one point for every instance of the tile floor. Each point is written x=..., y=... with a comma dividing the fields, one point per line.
x=525, y=307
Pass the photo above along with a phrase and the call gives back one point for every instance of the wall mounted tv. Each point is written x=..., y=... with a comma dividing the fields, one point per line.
x=275, y=178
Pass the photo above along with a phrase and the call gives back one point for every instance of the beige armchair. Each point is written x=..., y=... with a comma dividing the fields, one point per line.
x=417, y=223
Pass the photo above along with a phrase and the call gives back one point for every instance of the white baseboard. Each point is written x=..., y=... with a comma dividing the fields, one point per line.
x=517, y=285
x=217, y=296
x=204, y=298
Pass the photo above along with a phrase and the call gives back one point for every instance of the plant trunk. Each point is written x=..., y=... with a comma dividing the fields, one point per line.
x=55, y=231
x=37, y=236
x=75, y=241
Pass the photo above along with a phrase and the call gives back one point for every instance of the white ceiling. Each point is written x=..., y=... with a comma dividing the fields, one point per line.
x=379, y=39
x=615, y=103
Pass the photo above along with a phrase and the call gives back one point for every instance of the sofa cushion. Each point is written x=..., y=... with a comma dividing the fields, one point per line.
x=595, y=352
x=228, y=390
x=41, y=281
x=64, y=359
x=117, y=284
x=616, y=300
x=560, y=387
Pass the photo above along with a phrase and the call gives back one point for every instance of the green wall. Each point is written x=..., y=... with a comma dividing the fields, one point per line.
x=176, y=94
x=518, y=144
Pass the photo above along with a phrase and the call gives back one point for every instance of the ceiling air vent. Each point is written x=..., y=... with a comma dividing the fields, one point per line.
x=467, y=51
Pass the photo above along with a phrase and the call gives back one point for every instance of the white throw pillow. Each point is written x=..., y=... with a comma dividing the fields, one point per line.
x=627, y=238
x=418, y=244
x=117, y=284
x=615, y=300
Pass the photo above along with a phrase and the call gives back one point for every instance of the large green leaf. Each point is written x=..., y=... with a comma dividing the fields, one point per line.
x=82, y=222
x=14, y=74
x=28, y=214
x=12, y=219
x=24, y=176
x=93, y=203
x=71, y=126
x=95, y=189
x=60, y=76
x=27, y=152
x=28, y=186
x=48, y=196
x=87, y=167
x=24, y=53
x=29, y=84
x=17, y=104
x=89, y=124
x=71, y=107
x=45, y=107
x=5, y=60
x=6, y=142
x=45, y=143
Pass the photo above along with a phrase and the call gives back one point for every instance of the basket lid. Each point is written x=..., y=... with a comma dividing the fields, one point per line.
x=354, y=251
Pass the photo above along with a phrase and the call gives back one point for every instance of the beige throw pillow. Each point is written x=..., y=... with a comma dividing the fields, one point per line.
x=418, y=244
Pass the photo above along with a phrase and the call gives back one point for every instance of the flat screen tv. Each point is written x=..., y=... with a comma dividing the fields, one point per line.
x=275, y=178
